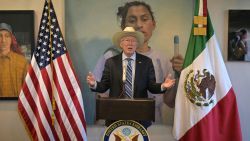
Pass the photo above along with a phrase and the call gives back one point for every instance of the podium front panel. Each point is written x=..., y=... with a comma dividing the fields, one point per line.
x=125, y=109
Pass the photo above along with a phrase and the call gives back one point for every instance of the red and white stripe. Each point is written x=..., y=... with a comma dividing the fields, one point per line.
x=35, y=102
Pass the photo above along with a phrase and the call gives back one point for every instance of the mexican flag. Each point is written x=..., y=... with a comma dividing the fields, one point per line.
x=205, y=106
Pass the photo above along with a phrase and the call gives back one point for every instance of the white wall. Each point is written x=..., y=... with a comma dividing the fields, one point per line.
x=11, y=126
x=238, y=71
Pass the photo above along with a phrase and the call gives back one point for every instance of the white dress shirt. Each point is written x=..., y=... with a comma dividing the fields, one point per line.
x=124, y=66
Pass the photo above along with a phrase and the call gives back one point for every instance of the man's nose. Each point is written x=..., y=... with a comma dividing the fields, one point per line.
x=138, y=26
x=3, y=39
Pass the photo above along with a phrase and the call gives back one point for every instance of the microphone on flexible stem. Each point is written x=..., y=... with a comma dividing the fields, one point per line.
x=176, y=52
x=176, y=45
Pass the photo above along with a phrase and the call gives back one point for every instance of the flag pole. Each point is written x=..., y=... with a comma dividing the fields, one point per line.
x=200, y=21
x=52, y=67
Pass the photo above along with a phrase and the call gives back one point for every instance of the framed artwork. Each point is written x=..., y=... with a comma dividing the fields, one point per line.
x=22, y=24
x=238, y=35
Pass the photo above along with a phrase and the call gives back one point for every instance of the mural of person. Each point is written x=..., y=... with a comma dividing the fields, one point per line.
x=139, y=15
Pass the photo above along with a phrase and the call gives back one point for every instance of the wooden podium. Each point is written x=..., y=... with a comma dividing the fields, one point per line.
x=125, y=109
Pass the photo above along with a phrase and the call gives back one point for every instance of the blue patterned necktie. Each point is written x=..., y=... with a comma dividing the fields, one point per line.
x=128, y=83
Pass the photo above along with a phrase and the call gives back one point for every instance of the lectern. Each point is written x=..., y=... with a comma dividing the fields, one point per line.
x=125, y=109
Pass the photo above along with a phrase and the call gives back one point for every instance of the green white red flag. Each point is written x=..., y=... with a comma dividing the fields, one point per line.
x=206, y=107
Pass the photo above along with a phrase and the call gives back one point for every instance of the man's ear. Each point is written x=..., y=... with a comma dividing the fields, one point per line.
x=121, y=44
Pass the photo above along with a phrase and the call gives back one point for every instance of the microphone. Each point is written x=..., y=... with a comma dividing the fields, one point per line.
x=176, y=53
x=176, y=45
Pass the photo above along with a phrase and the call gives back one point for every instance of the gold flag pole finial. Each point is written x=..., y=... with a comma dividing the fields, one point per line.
x=201, y=28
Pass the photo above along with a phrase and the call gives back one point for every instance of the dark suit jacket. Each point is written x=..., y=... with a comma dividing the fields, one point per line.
x=144, y=77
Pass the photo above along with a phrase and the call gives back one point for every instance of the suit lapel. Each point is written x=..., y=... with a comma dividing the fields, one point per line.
x=118, y=63
x=138, y=70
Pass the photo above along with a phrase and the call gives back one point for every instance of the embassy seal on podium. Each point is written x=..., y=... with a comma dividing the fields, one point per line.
x=126, y=130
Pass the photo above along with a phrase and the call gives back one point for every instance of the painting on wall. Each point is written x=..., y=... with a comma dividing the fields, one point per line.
x=22, y=24
x=238, y=35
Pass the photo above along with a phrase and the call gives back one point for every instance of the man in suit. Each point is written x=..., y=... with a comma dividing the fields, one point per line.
x=115, y=73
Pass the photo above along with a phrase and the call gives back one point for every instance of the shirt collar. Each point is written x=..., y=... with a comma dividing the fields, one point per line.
x=125, y=57
x=7, y=55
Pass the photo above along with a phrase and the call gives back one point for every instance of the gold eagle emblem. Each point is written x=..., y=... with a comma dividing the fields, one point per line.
x=199, y=87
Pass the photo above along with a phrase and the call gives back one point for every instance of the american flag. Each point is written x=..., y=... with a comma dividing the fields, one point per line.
x=52, y=80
